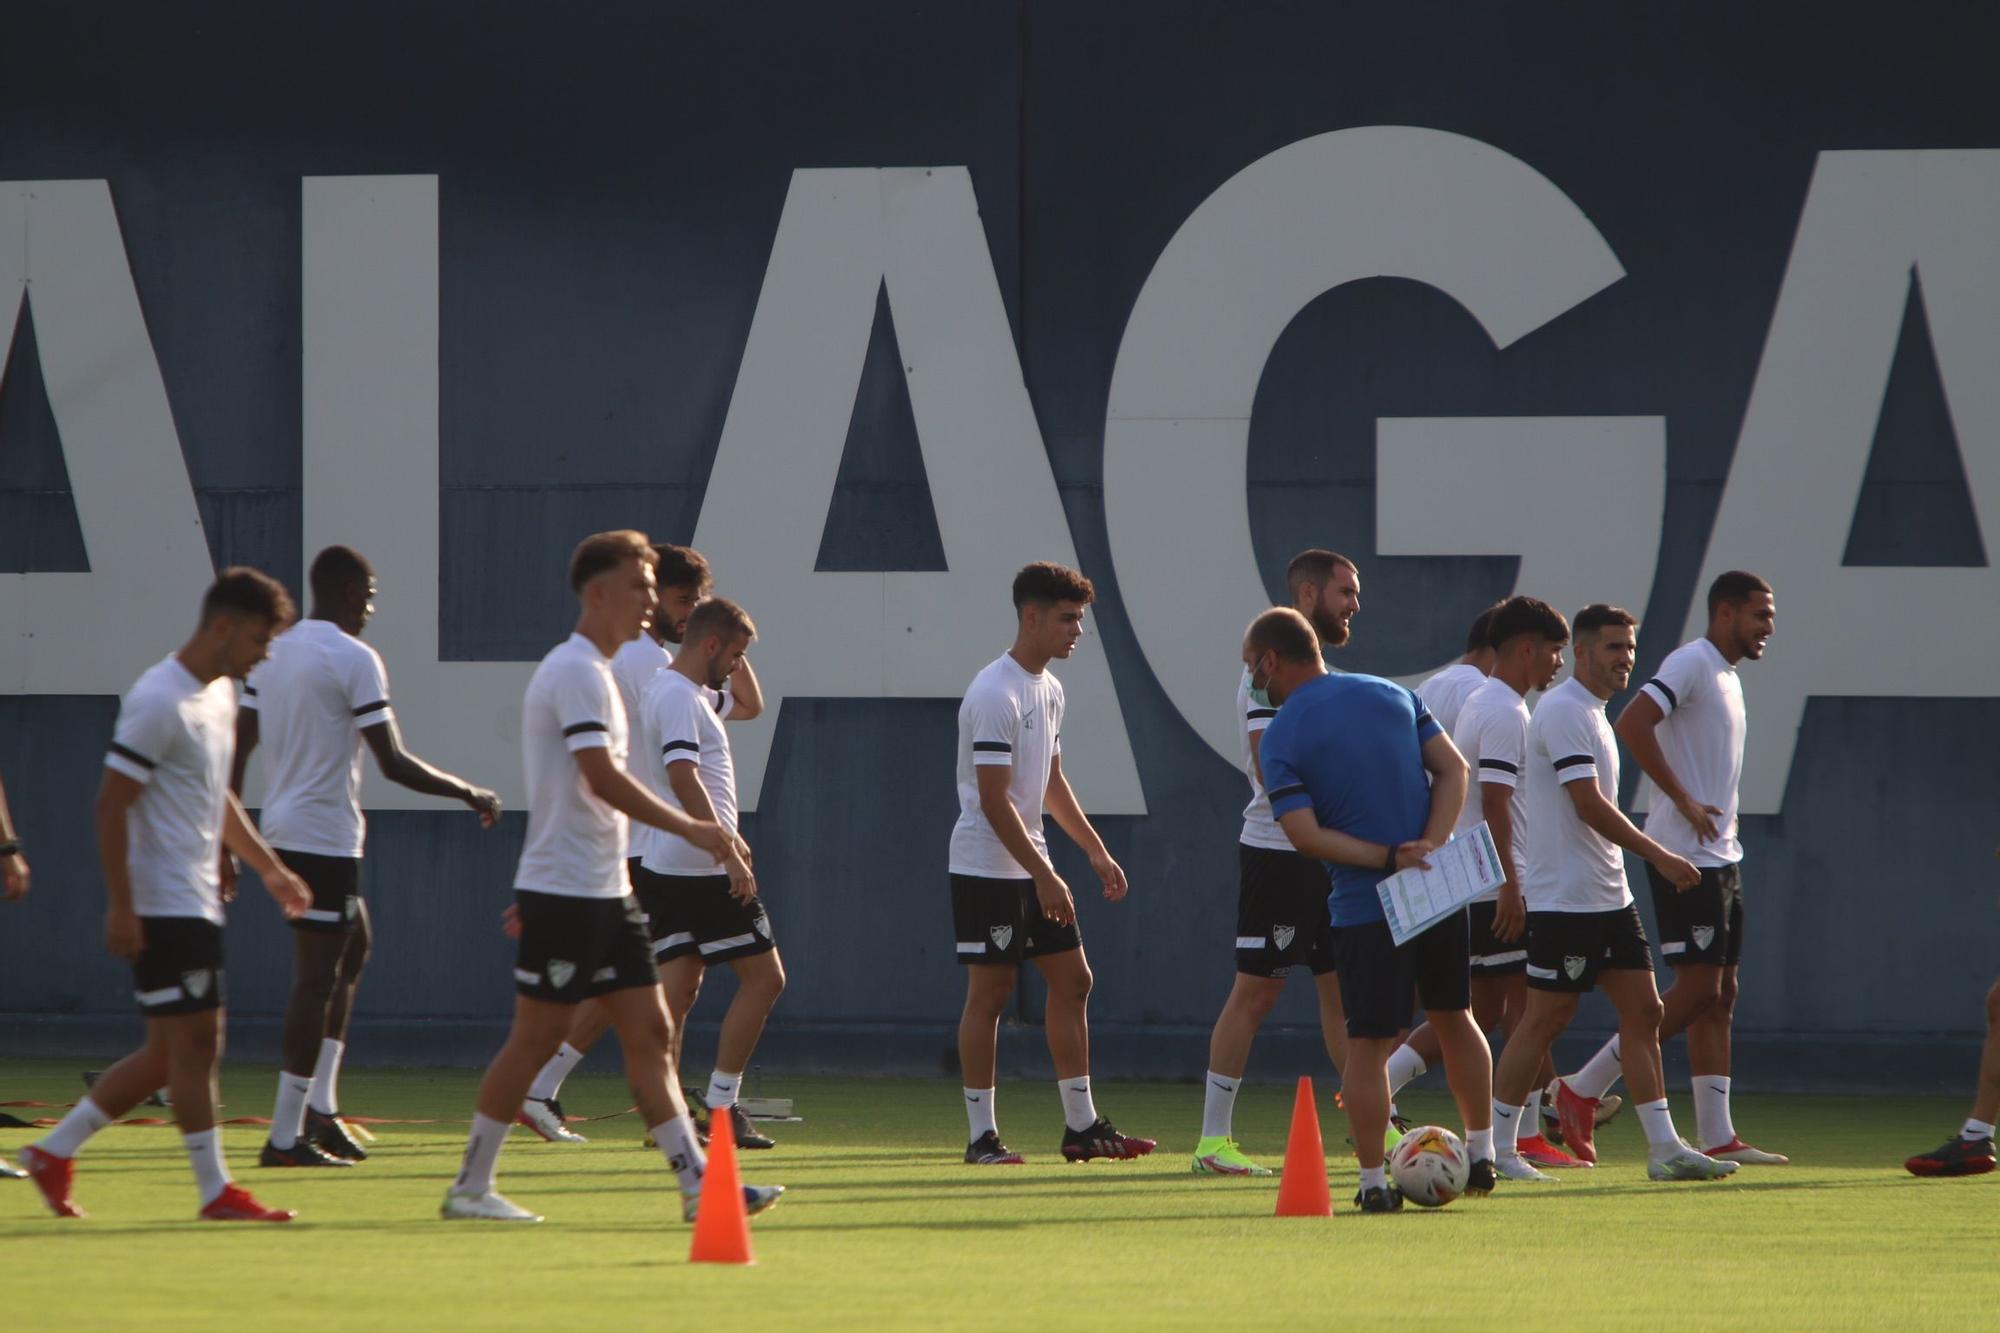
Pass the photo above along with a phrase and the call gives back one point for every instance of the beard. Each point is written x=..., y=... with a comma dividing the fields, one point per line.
x=1332, y=629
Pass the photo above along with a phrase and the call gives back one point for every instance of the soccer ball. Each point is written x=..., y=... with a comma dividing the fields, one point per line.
x=1430, y=1166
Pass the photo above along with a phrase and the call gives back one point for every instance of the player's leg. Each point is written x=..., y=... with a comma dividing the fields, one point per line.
x=1274, y=928
x=990, y=927
x=1441, y=960
x=541, y=1109
x=1635, y=997
x=760, y=980
x=538, y=1028
x=323, y=1125
x=1971, y=1152
x=193, y=1045
x=1251, y=998
x=319, y=942
x=50, y=1160
x=1378, y=990
x=1554, y=978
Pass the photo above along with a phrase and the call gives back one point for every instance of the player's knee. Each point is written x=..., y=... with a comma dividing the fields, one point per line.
x=1644, y=1014
x=1993, y=1006
x=1257, y=1002
x=1725, y=994
x=1073, y=986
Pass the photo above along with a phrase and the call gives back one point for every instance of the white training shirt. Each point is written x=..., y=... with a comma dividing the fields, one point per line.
x=1445, y=692
x=1701, y=735
x=635, y=664
x=1253, y=715
x=576, y=843
x=1492, y=734
x=1571, y=867
x=313, y=696
x=1009, y=716
x=682, y=715
x=175, y=737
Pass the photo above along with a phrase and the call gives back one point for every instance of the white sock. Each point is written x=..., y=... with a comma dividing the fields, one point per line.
x=682, y=1150
x=1712, y=1125
x=482, y=1154
x=1506, y=1129
x=722, y=1090
x=1404, y=1065
x=1531, y=1114
x=74, y=1130
x=1479, y=1143
x=325, y=1096
x=288, y=1116
x=549, y=1082
x=1658, y=1123
x=204, y=1152
x=1975, y=1130
x=979, y=1112
x=1598, y=1073
x=1218, y=1108
x=1079, y=1112
x=1374, y=1177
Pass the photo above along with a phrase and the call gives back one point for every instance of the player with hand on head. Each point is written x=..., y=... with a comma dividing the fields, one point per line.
x=1008, y=904
x=581, y=933
x=165, y=814
x=1685, y=727
x=320, y=695
x=1583, y=930
x=1282, y=920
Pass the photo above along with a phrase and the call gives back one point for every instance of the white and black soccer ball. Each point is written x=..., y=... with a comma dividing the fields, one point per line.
x=1430, y=1166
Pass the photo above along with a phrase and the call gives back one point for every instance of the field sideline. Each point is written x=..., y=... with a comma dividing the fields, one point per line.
x=885, y=1227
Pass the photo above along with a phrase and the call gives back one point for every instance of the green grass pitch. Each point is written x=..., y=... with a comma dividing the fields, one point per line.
x=885, y=1227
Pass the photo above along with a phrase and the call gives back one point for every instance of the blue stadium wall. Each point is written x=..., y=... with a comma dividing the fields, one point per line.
x=610, y=182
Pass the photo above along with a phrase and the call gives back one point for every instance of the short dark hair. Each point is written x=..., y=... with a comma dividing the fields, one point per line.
x=1283, y=631
x=1481, y=633
x=1526, y=615
x=242, y=591
x=607, y=550
x=718, y=616
x=1599, y=615
x=337, y=572
x=682, y=567
x=1045, y=583
x=1733, y=589
x=1315, y=567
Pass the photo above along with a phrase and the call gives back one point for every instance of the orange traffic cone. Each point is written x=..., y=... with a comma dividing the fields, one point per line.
x=721, y=1227
x=1302, y=1190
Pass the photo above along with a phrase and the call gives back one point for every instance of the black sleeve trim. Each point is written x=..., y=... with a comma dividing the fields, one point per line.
x=1673, y=700
x=1502, y=765
x=133, y=755
x=671, y=746
x=375, y=707
x=250, y=689
x=579, y=727
x=1423, y=716
x=1294, y=789
x=992, y=747
x=1572, y=760
x=1256, y=713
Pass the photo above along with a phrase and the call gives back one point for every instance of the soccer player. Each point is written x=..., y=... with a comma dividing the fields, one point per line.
x=1446, y=691
x=1685, y=726
x=14, y=887
x=684, y=579
x=1492, y=734
x=581, y=932
x=1282, y=920
x=1346, y=762
x=1971, y=1153
x=320, y=695
x=1008, y=904
x=164, y=815
x=1583, y=930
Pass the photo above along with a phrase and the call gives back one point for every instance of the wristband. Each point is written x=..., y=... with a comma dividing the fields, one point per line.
x=1389, y=862
x=11, y=847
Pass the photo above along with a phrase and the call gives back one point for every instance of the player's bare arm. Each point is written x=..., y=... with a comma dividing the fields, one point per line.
x=115, y=795
x=746, y=696
x=1050, y=890
x=1510, y=913
x=241, y=837
x=1607, y=821
x=404, y=769
x=619, y=790
x=1070, y=818
x=1325, y=844
x=13, y=863
x=1636, y=726
x=685, y=780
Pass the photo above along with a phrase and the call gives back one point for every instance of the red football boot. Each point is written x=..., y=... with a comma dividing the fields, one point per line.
x=1578, y=1117
x=52, y=1176
x=234, y=1204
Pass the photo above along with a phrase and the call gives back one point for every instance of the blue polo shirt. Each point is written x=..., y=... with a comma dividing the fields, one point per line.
x=1350, y=748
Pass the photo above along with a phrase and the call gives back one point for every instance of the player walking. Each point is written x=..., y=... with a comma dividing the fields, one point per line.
x=1346, y=762
x=1971, y=1153
x=1008, y=904
x=1282, y=920
x=1583, y=930
x=1686, y=728
x=321, y=694
x=164, y=815
x=581, y=931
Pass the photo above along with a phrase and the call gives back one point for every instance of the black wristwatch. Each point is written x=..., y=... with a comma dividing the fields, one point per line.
x=1389, y=861
x=11, y=847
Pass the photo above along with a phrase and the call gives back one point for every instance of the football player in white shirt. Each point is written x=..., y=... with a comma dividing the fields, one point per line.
x=1282, y=921
x=1685, y=726
x=1583, y=929
x=1492, y=733
x=164, y=815
x=321, y=693
x=1008, y=904
x=1446, y=691
x=580, y=930
x=684, y=580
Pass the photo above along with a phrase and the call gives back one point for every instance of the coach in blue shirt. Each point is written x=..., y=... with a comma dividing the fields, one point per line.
x=1362, y=777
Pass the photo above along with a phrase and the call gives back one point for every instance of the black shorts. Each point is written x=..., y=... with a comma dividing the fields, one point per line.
x=1492, y=957
x=1703, y=925
x=1566, y=950
x=179, y=971
x=336, y=885
x=1001, y=921
x=694, y=914
x=574, y=948
x=1281, y=917
x=1382, y=985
